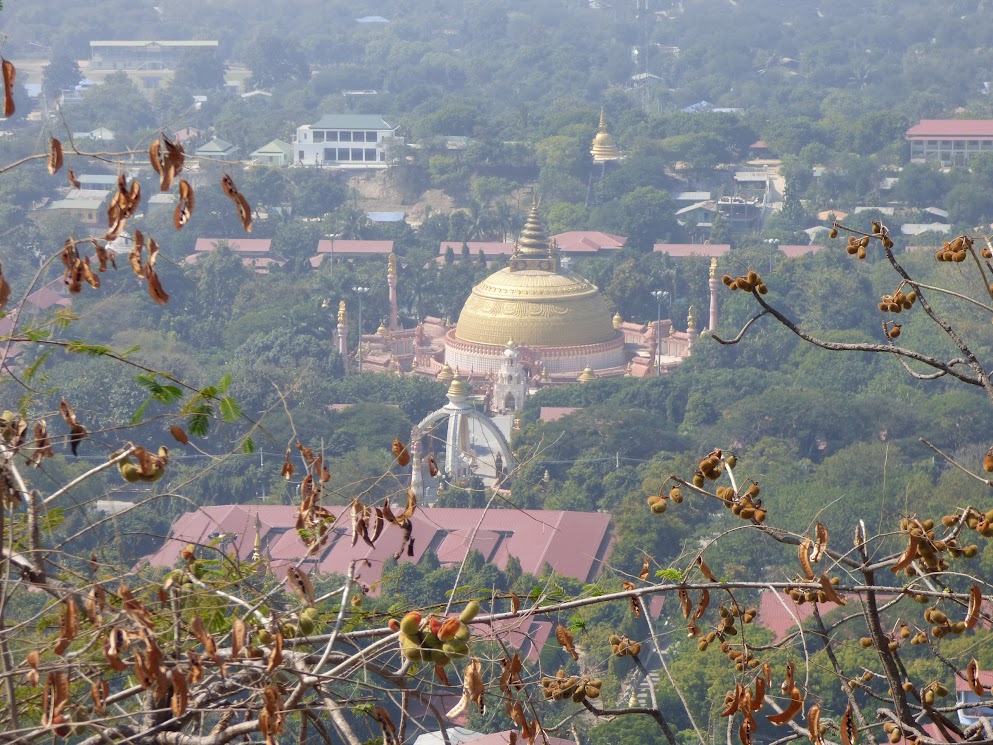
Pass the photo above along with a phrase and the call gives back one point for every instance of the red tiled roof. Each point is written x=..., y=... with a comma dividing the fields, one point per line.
x=776, y=618
x=554, y=413
x=985, y=679
x=534, y=537
x=951, y=129
x=238, y=245
x=794, y=251
x=680, y=250
x=489, y=248
x=588, y=241
x=355, y=248
x=51, y=294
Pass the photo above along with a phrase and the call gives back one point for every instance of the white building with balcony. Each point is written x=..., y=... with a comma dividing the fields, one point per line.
x=343, y=140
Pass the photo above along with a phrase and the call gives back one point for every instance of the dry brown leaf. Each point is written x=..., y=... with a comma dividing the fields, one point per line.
x=73, y=181
x=832, y=595
x=564, y=637
x=288, y=467
x=790, y=712
x=515, y=602
x=196, y=667
x=68, y=626
x=244, y=212
x=441, y=675
x=635, y=605
x=42, y=444
x=702, y=605
x=814, y=725
x=98, y=692
x=180, y=693
x=400, y=453
x=32, y=663
x=432, y=465
x=155, y=290
x=972, y=678
x=975, y=606
x=155, y=156
x=803, y=554
x=276, y=654
x=644, y=570
x=820, y=547
x=382, y=717
x=849, y=729
x=54, y=155
x=909, y=554
x=134, y=257
x=299, y=582
x=9, y=76
x=238, y=632
x=704, y=569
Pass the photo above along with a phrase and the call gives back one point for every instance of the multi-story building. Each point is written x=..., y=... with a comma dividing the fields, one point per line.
x=148, y=63
x=343, y=140
x=951, y=142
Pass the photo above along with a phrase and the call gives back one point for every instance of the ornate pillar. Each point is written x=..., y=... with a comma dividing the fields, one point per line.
x=691, y=332
x=391, y=278
x=713, y=294
x=416, y=474
x=343, y=334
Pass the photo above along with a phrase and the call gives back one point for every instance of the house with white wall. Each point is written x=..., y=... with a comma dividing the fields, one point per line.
x=343, y=141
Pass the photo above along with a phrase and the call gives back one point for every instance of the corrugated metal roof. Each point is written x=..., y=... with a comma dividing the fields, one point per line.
x=238, y=245
x=145, y=43
x=352, y=121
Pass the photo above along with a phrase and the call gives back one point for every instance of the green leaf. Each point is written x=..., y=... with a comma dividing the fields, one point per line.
x=225, y=382
x=673, y=575
x=248, y=446
x=229, y=409
x=32, y=371
x=198, y=421
x=140, y=411
x=93, y=350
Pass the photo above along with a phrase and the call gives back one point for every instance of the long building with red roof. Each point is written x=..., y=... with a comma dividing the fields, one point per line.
x=950, y=141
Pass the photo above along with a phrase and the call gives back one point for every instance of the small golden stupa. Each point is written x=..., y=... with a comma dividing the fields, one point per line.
x=604, y=149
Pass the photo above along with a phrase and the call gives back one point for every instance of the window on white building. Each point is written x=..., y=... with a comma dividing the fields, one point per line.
x=342, y=153
x=345, y=137
x=318, y=136
x=370, y=153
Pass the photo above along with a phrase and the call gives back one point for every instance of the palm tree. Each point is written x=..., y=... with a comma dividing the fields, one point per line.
x=479, y=221
x=351, y=221
x=504, y=218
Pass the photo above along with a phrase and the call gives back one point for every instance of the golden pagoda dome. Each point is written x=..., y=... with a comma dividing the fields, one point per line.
x=381, y=331
x=457, y=388
x=587, y=376
x=445, y=374
x=604, y=149
x=534, y=301
x=618, y=320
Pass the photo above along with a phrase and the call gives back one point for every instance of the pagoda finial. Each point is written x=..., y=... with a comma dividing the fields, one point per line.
x=342, y=314
x=690, y=320
x=533, y=241
x=257, y=550
x=392, y=268
x=713, y=268
x=604, y=150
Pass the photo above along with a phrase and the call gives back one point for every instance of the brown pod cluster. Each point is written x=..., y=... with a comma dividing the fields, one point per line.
x=576, y=687
x=857, y=246
x=621, y=646
x=747, y=282
x=954, y=250
x=898, y=301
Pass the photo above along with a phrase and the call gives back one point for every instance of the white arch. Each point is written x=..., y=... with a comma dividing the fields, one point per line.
x=457, y=414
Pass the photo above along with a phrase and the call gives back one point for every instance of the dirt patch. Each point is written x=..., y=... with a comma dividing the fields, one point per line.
x=376, y=194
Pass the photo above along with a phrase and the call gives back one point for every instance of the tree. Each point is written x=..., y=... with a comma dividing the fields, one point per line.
x=273, y=60
x=61, y=74
x=200, y=70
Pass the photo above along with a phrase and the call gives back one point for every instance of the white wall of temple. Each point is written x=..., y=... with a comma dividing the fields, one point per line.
x=554, y=360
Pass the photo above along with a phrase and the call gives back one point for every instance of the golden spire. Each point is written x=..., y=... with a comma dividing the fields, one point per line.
x=392, y=268
x=713, y=268
x=533, y=241
x=618, y=320
x=381, y=331
x=587, y=375
x=445, y=374
x=690, y=321
x=604, y=149
x=342, y=314
x=457, y=388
